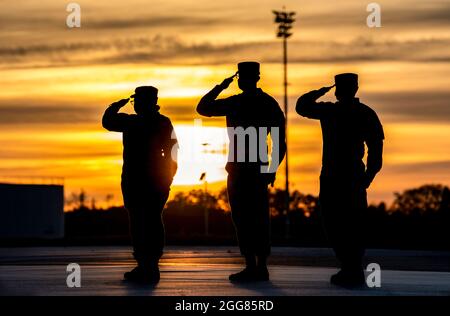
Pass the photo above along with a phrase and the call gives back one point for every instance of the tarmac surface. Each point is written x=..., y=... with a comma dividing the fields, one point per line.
x=203, y=271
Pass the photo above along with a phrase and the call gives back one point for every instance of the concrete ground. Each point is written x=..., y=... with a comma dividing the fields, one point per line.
x=204, y=271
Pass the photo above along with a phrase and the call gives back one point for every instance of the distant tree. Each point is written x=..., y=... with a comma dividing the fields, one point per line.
x=426, y=198
x=93, y=204
x=418, y=218
x=222, y=200
x=277, y=202
x=195, y=197
x=305, y=203
x=109, y=197
x=77, y=200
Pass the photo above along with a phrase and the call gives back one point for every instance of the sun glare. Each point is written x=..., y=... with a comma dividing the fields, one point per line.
x=202, y=149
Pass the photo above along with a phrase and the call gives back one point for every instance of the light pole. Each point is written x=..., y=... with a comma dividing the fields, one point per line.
x=285, y=20
x=205, y=202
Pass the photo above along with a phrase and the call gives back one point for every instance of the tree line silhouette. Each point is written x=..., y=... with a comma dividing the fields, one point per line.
x=417, y=218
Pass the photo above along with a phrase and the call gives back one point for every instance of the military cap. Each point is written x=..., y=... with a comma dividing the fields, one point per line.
x=146, y=91
x=346, y=79
x=248, y=68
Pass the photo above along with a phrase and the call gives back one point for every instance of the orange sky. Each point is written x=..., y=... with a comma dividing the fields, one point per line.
x=56, y=82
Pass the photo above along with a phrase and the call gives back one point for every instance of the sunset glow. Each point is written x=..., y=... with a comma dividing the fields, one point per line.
x=56, y=82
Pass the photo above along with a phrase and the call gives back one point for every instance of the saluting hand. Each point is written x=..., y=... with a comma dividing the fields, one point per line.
x=325, y=89
x=226, y=83
x=121, y=103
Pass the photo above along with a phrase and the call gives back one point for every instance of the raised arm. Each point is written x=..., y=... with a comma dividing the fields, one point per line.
x=113, y=120
x=308, y=106
x=209, y=106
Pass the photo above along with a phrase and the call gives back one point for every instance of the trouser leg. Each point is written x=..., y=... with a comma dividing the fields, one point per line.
x=343, y=211
x=262, y=222
x=147, y=228
x=250, y=213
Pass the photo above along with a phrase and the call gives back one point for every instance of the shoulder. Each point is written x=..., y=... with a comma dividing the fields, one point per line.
x=367, y=110
x=164, y=120
x=372, y=120
x=267, y=97
x=270, y=101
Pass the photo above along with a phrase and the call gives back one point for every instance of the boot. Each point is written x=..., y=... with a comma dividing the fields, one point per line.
x=348, y=279
x=143, y=275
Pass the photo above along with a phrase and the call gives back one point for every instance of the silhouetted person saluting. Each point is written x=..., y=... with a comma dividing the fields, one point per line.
x=250, y=117
x=149, y=164
x=346, y=126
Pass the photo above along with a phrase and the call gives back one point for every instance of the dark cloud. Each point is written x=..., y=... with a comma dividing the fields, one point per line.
x=305, y=169
x=46, y=114
x=429, y=106
x=57, y=152
x=20, y=112
x=151, y=22
x=412, y=106
x=186, y=113
x=408, y=15
x=172, y=50
x=368, y=49
x=437, y=14
x=428, y=167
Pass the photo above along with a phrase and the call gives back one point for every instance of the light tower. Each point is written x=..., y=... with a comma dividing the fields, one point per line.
x=285, y=20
